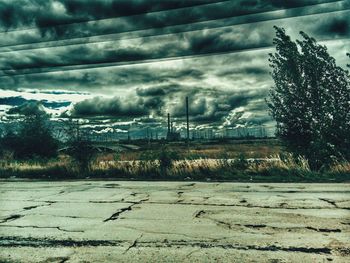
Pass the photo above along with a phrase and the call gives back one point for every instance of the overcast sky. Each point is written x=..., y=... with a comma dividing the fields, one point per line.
x=118, y=63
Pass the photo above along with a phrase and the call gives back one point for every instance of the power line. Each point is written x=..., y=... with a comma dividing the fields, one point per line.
x=116, y=64
x=53, y=43
x=120, y=16
x=135, y=62
x=22, y=47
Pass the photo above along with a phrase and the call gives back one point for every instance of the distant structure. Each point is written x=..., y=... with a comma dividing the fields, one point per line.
x=187, y=121
x=171, y=134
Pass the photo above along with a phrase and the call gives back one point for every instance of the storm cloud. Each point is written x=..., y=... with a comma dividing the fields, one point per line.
x=139, y=59
x=27, y=109
x=115, y=107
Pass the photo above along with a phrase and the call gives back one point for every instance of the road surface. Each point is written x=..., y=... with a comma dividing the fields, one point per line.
x=113, y=221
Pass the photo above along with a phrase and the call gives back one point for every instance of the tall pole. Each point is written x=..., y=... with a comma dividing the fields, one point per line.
x=187, y=120
x=168, y=123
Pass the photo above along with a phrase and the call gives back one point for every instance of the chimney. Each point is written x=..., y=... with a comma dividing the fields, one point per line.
x=168, y=123
x=187, y=120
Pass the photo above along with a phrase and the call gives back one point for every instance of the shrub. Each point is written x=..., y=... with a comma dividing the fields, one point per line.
x=310, y=100
x=33, y=139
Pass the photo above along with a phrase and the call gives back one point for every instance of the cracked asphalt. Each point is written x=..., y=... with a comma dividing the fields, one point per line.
x=107, y=221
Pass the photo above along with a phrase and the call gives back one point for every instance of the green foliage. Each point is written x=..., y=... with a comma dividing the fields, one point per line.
x=33, y=138
x=149, y=155
x=241, y=162
x=310, y=100
x=82, y=152
x=117, y=156
x=79, y=147
x=166, y=158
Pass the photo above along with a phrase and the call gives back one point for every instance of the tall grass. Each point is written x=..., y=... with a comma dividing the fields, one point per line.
x=275, y=169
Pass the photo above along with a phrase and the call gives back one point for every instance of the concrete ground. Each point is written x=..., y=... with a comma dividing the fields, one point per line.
x=110, y=221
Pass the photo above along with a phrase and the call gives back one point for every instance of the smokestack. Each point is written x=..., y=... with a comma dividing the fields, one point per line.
x=187, y=120
x=168, y=123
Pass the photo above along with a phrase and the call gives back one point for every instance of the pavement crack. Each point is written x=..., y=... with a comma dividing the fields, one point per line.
x=11, y=218
x=14, y=241
x=255, y=226
x=46, y=227
x=133, y=244
x=40, y=242
x=179, y=197
x=202, y=213
x=222, y=223
x=57, y=259
x=30, y=207
x=108, y=202
x=324, y=230
x=259, y=226
x=333, y=203
x=116, y=215
x=64, y=216
x=112, y=185
x=245, y=206
x=48, y=203
x=199, y=213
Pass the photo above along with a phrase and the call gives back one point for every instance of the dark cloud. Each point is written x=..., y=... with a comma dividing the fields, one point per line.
x=73, y=56
x=248, y=70
x=49, y=13
x=158, y=90
x=19, y=101
x=225, y=39
x=338, y=26
x=289, y=3
x=224, y=90
x=205, y=105
x=116, y=107
x=53, y=18
x=213, y=107
x=28, y=108
x=211, y=41
x=152, y=91
x=57, y=92
x=12, y=101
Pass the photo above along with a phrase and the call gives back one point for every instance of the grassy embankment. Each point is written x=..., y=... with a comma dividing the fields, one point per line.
x=203, y=162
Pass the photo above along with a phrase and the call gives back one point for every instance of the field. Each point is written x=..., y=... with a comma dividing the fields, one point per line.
x=238, y=161
x=116, y=221
x=209, y=149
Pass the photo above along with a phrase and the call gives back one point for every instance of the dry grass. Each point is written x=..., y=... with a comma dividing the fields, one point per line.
x=256, y=149
x=287, y=162
x=341, y=167
x=200, y=162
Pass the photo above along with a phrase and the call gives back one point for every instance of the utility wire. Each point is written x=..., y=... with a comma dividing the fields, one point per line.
x=177, y=28
x=120, y=16
x=34, y=71
x=146, y=35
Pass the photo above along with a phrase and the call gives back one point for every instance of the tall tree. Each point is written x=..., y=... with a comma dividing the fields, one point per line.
x=32, y=138
x=310, y=100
